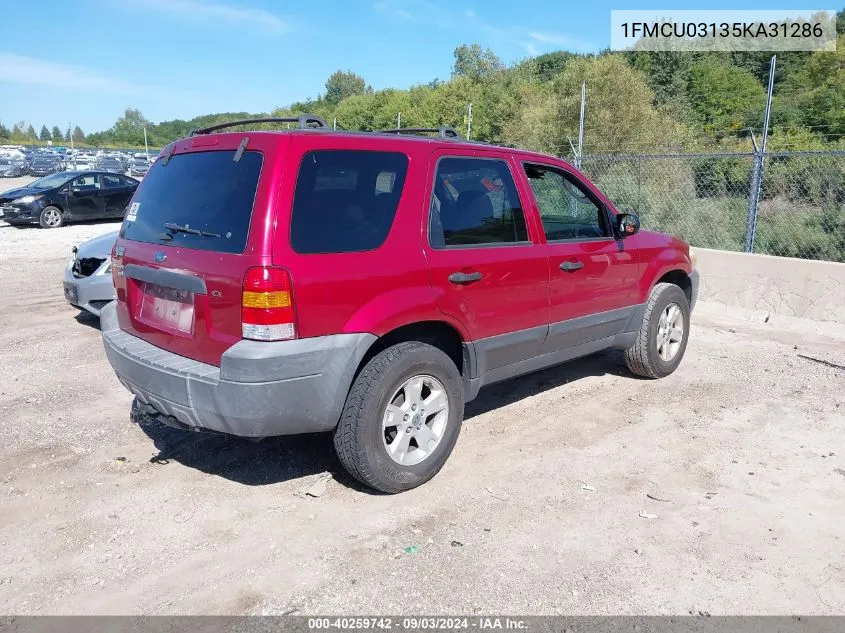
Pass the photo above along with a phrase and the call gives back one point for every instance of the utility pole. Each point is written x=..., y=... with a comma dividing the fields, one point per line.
x=759, y=159
x=146, y=147
x=581, y=125
x=399, y=121
x=334, y=124
x=469, y=121
x=70, y=136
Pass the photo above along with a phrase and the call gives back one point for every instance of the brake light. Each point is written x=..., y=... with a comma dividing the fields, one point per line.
x=267, y=306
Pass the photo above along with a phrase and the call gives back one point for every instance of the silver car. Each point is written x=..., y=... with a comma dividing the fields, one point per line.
x=88, y=283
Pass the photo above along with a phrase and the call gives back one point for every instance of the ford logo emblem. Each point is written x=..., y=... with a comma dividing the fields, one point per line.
x=160, y=257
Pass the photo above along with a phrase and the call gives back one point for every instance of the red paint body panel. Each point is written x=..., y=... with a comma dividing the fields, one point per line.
x=404, y=280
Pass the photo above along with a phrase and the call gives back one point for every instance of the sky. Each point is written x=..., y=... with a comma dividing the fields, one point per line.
x=88, y=60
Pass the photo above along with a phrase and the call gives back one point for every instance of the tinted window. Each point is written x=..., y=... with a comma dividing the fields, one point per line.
x=567, y=211
x=206, y=191
x=112, y=181
x=475, y=202
x=345, y=201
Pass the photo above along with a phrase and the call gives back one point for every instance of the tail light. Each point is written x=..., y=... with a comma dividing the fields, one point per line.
x=267, y=306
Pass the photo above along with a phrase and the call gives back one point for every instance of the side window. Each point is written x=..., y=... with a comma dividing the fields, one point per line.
x=345, y=200
x=86, y=183
x=475, y=202
x=567, y=211
x=111, y=182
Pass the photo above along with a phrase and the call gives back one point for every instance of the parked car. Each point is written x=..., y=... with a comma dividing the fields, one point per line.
x=68, y=197
x=45, y=164
x=273, y=283
x=12, y=167
x=82, y=163
x=110, y=164
x=88, y=284
x=140, y=166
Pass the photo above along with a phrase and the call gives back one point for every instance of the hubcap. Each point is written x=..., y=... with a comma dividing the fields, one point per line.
x=670, y=332
x=415, y=420
x=52, y=217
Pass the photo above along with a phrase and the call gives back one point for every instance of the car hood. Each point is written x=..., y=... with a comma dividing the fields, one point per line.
x=20, y=192
x=99, y=247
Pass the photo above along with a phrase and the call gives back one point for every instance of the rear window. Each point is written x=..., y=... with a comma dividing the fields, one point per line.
x=204, y=191
x=345, y=201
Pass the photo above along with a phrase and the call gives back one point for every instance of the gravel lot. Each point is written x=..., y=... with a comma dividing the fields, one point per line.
x=537, y=512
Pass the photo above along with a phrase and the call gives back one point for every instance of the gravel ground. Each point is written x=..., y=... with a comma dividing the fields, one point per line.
x=537, y=512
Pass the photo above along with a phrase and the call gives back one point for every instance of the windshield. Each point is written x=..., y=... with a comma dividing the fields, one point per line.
x=49, y=182
x=203, y=191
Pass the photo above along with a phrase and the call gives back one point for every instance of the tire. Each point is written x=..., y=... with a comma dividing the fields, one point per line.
x=361, y=436
x=47, y=218
x=643, y=357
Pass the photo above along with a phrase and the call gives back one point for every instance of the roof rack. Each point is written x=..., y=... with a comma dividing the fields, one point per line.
x=303, y=122
x=443, y=131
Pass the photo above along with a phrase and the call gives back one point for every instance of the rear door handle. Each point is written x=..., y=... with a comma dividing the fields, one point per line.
x=464, y=278
x=571, y=267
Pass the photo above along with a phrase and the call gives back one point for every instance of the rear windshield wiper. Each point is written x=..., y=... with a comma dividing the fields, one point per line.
x=178, y=228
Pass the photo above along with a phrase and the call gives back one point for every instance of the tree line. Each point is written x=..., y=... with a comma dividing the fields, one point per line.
x=24, y=134
x=636, y=101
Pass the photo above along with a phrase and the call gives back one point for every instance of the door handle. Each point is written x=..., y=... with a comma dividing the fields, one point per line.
x=464, y=278
x=571, y=267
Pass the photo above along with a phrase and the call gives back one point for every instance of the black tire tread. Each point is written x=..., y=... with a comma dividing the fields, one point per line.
x=41, y=215
x=637, y=356
x=348, y=442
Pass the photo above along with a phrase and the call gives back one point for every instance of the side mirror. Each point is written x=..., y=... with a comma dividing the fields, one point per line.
x=627, y=224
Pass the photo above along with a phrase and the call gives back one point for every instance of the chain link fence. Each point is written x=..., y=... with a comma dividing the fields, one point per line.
x=707, y=200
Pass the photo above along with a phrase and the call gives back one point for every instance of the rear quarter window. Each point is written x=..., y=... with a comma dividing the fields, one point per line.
x=345, y=200
x=206, y=191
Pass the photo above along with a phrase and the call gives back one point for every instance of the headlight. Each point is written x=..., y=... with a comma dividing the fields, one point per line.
x=27, y=199
x=693, y=256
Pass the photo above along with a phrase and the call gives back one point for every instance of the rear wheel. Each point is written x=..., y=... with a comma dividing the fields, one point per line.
x=51, y=218
x=402, y=417
x=662, y=339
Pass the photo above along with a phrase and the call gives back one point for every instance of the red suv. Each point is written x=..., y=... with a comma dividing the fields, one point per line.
x=369, y=284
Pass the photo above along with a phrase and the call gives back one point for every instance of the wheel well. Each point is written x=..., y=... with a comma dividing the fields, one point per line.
x=680, y=279
x=436, y=333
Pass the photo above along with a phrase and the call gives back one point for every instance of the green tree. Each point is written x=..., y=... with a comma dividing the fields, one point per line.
x=45, y=133
x=78, y=135
x=30, y=133
x=18, y=133
x=129, y=129
x=725, y=98
x=621, y=116
x=342, y=84
x=57, y=134
x=5, y=133
x=475, y=62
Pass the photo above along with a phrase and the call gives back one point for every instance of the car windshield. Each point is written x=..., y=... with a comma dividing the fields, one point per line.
x=49, y=182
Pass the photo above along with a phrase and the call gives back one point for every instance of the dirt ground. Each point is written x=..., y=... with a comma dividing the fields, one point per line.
x=538, y=511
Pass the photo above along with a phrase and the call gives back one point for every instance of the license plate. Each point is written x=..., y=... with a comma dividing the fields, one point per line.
x=71, y=293
x=167, y=308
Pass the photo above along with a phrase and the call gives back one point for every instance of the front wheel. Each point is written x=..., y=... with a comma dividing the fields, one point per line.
x=402, y=418
x=51, y=218
x=662, y=339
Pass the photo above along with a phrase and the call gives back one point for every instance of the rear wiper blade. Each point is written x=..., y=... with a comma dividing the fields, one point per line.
x=178, y=228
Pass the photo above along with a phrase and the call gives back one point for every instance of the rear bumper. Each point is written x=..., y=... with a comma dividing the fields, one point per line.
x=259, y=390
